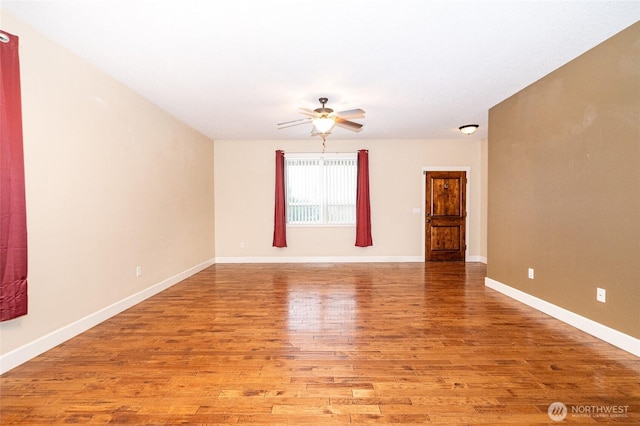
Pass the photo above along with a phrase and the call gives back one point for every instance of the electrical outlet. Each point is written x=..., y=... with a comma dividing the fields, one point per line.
x=531, y=273
x=242, y=244
x=138, y=271
x=601, y=295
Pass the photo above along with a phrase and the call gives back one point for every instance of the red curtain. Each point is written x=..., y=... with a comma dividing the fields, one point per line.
x=363, y=207
x=13, y=217
x=280, y=212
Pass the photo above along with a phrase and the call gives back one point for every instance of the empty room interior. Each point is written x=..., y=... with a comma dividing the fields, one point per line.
x=184, y=242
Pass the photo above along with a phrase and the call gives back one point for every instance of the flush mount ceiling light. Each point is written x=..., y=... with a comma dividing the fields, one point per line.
x=468, y=129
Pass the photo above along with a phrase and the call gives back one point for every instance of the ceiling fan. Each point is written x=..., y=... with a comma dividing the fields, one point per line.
x=325, y=119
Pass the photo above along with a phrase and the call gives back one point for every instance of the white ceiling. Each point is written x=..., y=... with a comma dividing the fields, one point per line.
x=233, y=69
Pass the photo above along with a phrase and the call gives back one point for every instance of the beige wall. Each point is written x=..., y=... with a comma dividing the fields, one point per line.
x=244, y=188
x=112, y=183
x=564, y=185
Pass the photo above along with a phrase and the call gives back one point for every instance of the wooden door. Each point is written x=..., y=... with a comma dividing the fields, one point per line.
x=445, y=216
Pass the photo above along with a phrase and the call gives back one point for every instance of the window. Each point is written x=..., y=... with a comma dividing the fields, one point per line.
x=321, y=189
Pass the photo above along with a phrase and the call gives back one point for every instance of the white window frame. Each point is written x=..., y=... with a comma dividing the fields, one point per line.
x=323, y=222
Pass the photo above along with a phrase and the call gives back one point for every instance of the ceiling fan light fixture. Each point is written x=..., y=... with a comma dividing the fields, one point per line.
x=468, y=129
x=324, y=124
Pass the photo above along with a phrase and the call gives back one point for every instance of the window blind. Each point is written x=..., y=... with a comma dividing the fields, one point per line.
x=321, y=190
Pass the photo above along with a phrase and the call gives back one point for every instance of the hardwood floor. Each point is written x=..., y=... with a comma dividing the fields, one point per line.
x=324, y=344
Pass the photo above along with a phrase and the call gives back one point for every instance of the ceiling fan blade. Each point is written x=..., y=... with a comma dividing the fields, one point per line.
x=356, y=127
x=293, y=123
x=307, y=111
x=352, y=113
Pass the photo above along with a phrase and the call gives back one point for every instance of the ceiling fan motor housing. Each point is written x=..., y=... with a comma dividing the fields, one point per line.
x=323, y=110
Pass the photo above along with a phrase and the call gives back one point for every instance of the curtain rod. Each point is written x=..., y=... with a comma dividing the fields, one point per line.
x=318, y=152
x=292, y=155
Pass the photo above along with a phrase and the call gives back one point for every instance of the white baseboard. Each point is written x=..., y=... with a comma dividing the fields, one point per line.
x=32, y=349
x=334, y=259
x=602, y=332
x=319, y=259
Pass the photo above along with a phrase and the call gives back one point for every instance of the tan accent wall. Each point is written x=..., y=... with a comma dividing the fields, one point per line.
x=564, y=185
x=112, y=182
x=484, y=188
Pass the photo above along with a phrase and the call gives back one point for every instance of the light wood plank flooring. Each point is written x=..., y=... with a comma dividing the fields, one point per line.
x=324, y=344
